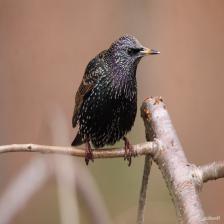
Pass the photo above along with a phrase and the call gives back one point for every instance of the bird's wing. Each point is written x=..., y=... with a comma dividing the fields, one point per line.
x=88, y=82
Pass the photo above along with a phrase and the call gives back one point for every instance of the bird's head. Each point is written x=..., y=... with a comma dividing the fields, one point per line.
x=127, y=50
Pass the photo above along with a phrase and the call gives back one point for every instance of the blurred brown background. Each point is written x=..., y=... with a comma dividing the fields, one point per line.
x=44, y=48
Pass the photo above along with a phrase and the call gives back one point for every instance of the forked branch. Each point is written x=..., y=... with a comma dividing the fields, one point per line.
x=172, y=162
x=182, y=178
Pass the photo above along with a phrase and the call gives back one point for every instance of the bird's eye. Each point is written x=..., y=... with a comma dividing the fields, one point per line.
x=133, y=51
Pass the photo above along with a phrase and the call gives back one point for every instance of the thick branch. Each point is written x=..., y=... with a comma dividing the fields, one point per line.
x=172, y=162
x=212, y=171
x=140, y=149
x=166, y=151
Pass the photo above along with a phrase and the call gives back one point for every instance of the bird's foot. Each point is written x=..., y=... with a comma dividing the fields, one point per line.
x=129, y=151
x=88, y=153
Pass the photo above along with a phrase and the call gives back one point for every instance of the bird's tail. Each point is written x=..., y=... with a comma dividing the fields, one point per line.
x=78, y=140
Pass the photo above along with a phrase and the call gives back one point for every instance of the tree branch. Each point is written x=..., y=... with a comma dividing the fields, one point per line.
x=140, y=149
x=164, y=148
x=172, y=162
x=143, y=191
x=212, y=171
x=149, y=134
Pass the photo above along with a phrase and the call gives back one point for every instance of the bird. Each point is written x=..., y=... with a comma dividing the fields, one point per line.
x=106, y=100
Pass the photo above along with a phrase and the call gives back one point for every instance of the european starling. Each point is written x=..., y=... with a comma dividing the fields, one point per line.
x=106, y=101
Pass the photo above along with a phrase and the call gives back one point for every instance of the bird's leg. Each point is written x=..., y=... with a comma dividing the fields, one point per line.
x=88, y=153
x=129, y=151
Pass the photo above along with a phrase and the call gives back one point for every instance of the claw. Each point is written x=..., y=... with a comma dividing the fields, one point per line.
x=129, y=151
x=88, y=153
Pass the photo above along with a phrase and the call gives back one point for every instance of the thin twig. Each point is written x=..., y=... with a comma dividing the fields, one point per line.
x=140, y=149
x=166, y=152
x=212, y=171
x=146, y=172
x=144, y=186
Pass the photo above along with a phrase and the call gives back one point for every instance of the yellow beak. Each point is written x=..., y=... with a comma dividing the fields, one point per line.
x=147, y=51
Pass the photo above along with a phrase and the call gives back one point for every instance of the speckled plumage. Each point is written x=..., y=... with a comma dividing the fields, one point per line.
x=106, y=101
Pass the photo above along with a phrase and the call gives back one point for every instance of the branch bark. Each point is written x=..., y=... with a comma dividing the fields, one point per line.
x=212, y=171
x=164, y=148
x=140, y=149
x=172, y=162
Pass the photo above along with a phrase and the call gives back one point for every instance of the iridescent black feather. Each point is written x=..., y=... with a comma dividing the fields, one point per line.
x=106, y=101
